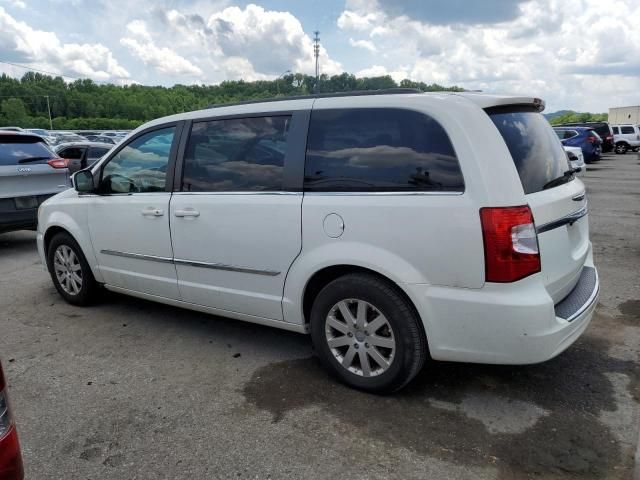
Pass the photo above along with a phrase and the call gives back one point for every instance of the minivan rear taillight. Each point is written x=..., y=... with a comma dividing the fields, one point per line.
x=510, y=243
x=59, y=162
x=10, y=457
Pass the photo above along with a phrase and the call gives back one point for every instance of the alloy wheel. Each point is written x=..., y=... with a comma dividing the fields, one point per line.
x=360, y=337
x=68, y=270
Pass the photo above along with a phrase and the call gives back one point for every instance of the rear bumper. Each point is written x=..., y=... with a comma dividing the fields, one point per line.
x=503, y=323
x=14, y=218
x=26, y=219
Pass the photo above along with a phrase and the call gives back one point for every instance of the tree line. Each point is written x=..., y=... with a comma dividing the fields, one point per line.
x=574, y=117
x=84, y=104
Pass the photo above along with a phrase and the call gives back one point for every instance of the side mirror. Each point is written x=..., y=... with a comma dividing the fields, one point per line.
x=83, y=181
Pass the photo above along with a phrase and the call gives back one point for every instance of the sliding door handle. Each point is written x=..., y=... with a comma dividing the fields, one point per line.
x=187, y=212
x=152, y=212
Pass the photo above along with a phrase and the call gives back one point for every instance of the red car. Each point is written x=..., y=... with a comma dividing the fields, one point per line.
x=10, y=456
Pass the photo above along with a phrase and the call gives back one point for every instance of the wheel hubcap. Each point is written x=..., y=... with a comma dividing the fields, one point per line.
x=67, y=269
x=360, y=337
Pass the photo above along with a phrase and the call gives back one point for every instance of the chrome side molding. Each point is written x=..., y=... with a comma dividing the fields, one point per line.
x=220, y=266
x=191, y=263
x=139, y=256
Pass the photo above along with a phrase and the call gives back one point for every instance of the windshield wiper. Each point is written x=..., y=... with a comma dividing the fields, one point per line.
x=566, y=176
x=32, y=159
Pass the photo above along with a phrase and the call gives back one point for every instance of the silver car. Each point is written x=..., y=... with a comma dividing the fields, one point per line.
x=29, y=174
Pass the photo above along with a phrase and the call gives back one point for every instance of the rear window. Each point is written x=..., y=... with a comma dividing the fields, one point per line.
x=534, y=146
x=15, y=150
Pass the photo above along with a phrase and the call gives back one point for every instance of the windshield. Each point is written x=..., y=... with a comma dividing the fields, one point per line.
x=534, y=146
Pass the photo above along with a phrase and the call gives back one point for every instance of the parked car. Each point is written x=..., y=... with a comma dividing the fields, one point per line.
x=205, y=210
x=582, y=137
x=576, y=159
x=603, y=129
x=29, y=174
x=102, y=139
x=11, y=467
x=66, y=137
x=81, y=154
x=626, y=137
x=46, y=136
x=85, y=133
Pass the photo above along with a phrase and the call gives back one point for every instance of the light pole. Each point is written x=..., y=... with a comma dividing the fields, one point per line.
x=49, y=110
x=278, y=81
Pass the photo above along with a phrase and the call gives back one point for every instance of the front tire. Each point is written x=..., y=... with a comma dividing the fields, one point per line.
x=367, y=334
x=621, y=148
x=69, y=270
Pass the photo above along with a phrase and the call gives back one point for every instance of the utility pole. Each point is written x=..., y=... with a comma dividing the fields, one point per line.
x=49, y=110
x=316, y=53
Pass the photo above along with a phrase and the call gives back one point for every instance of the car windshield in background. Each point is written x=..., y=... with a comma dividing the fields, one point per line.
x=534, y=147
x=14, y=151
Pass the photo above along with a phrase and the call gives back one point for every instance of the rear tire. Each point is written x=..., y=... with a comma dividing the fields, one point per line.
x=70, y=272
x=367, y=334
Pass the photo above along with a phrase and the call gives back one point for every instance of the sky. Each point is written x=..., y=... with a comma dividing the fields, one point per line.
x=581, y=55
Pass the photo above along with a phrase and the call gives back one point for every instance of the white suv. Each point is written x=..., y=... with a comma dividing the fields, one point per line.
x=626, y=137
x=392, y=227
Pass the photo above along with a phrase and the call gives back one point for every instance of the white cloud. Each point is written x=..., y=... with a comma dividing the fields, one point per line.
x=23, y=44
x=139, y=29
x=15, y=3
x=250, y=43
x=366, y=44
x=567, y=52
x=163, y=59
x=380, y=71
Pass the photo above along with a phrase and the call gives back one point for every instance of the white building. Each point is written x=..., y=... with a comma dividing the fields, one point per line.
x=620, y=115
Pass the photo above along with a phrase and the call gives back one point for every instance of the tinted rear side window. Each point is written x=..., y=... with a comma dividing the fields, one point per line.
x=627, y=130
x=534, y=147
x=15, y=151
x=378, y=150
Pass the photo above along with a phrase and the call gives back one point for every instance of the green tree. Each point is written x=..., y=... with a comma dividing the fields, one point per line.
x=14, y=111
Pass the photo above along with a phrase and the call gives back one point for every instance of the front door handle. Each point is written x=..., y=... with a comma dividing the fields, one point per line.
x=152, y=212
x=187, y=212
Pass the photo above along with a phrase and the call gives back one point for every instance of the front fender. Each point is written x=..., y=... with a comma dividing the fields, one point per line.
x=73, y=219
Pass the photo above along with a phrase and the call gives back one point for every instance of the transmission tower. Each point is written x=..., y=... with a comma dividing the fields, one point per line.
x=316, y=53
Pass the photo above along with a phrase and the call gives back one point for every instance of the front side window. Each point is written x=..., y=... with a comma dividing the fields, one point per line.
x=141, y=166
x=616, y=130
x=97, y=152
x=244, y=154
x=378, y=150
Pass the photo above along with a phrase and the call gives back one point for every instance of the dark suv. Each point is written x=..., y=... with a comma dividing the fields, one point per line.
x=603, y=129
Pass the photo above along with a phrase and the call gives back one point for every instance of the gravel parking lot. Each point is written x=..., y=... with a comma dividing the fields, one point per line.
x=132, y=389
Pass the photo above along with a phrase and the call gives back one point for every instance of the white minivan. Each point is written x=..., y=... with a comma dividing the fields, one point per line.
x=393, y=226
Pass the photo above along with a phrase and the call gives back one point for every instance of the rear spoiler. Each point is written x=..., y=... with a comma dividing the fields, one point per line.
x=488, y=101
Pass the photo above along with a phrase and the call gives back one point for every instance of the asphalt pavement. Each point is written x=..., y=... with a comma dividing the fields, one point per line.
x=129, y=389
